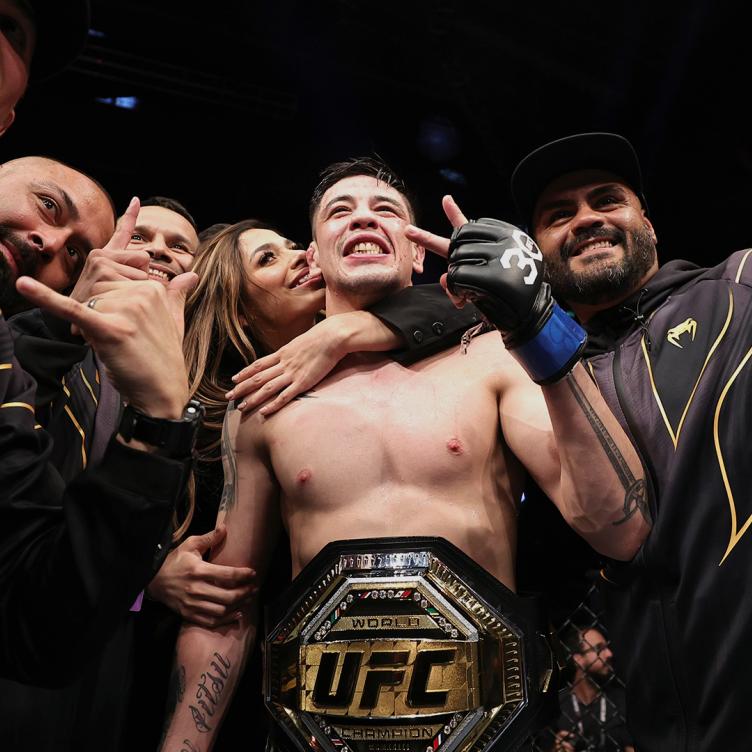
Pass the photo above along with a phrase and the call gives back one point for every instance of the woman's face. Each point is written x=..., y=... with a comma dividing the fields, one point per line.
x=278, y=281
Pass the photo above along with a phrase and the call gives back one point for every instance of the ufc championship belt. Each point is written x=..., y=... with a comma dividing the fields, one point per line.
x=404, y=645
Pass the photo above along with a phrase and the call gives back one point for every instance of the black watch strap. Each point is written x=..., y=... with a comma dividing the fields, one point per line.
x=174, y=438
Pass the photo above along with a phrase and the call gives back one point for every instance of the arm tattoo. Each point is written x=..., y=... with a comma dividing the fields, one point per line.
x=229, y=464
x=187, y=746
x=636, y=493
x=209, y=693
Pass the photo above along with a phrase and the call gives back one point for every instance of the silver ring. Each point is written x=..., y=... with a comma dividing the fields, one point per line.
x=92, y=303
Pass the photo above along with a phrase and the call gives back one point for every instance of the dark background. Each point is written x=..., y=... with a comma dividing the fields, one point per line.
x=240, y=104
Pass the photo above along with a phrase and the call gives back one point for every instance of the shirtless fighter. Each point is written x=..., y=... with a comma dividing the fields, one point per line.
x=440, y=448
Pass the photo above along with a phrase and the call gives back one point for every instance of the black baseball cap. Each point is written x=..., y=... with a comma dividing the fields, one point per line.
x=583, y=151
x=62, y=27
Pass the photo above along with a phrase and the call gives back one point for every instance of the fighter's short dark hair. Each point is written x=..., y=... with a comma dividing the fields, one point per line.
x=173, y=205
x=371, y=166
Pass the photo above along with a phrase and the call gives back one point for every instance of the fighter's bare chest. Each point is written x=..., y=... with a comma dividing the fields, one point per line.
x=390, y=413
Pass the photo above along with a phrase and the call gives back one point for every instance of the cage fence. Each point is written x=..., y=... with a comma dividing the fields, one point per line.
x=591, y=697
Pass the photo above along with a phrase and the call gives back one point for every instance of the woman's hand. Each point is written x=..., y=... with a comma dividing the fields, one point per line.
x=278, y=378
x=201, y=592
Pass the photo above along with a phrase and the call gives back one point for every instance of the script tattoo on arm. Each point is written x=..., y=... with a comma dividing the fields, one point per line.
x=209, y=693
x=229, y=464
x=636, y=491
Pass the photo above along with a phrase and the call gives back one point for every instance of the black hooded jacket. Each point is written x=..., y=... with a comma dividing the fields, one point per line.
x=674, y=363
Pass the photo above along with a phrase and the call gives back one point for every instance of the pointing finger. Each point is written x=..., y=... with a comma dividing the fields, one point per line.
x=453, y=212
x=428, y=240
x=122, y=235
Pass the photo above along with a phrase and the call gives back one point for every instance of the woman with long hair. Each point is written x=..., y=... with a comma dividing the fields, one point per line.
x=255, y=294
x=251, y=299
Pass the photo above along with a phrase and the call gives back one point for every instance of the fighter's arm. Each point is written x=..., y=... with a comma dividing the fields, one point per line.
x=587, y=465
x=577, y=452
x=209, y=662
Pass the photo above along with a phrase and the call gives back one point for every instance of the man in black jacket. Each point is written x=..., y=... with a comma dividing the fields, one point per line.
x=70, y=562
x=72, y=559
x=669, y=348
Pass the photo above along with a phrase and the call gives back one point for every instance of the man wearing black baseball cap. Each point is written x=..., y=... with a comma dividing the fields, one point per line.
x=38, y=38
x=609, y=250
x=670, y=350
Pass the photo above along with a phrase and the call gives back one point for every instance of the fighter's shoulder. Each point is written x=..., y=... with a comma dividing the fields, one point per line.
x=243, y=431
x=481, y=356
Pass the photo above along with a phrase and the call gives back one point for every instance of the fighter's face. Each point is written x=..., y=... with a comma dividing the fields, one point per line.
x=50, y=218
x=359, y=240
x=17, y=38
x=597, y=241
x=280, y=285
x=595, y=655
x=168, y=238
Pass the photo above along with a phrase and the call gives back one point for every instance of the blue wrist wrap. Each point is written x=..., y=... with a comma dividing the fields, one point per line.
x=554, y=350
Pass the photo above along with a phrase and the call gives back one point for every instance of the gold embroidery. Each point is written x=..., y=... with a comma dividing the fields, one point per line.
x=88, y=386
x=735, y=536
x=81, y=431
x=675, y=435
x=689, y=326
x=25, y=405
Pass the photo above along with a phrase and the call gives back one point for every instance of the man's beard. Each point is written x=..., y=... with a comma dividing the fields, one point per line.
x=28, y=264
x=603, y=280
x=602, y=679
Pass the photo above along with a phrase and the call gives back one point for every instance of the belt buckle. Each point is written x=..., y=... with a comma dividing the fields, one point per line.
x=403, y=645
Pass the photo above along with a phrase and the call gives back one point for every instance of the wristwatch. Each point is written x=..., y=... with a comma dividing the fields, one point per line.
x=174, y=438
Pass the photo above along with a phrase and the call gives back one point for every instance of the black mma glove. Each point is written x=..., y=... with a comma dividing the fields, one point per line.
x=500, y=268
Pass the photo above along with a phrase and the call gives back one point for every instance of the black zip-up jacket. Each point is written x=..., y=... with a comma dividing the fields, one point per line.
x=72, y=558
x=674, y=363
